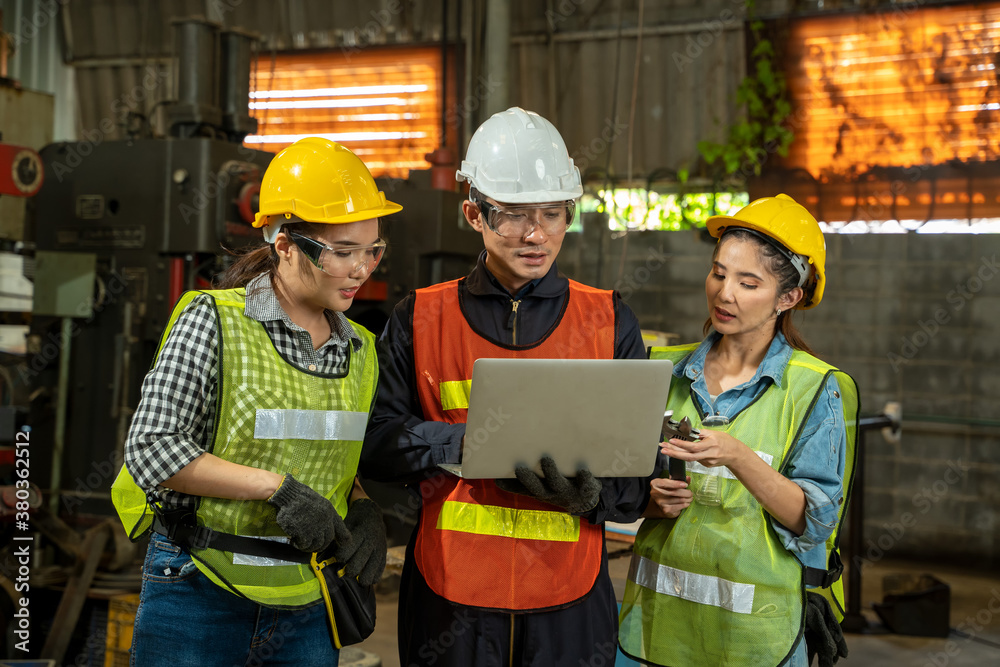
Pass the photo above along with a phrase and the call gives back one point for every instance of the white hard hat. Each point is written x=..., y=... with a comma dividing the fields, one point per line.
x=518, y=157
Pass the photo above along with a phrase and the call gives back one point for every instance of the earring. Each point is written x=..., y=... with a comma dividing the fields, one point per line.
x=777, y=311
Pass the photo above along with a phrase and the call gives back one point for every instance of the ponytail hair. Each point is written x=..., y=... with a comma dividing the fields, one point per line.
x=260, y=258
x=250, y=263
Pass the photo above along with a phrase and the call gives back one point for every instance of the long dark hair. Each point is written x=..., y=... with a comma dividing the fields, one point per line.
x=260, y=258
x=788, y=279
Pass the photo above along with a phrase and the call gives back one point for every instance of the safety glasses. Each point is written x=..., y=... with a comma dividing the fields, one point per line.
x=519, y=221
x=342, y=261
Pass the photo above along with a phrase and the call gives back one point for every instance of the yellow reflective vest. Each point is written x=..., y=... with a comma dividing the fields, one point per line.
x=274, y=416
x=715, y=586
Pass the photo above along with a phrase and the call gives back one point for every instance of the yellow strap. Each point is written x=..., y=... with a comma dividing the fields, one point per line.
x=455, y=394
x=317, y=567
x=508, y=522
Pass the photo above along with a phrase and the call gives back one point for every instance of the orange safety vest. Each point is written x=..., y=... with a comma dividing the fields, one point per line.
x=477, y=545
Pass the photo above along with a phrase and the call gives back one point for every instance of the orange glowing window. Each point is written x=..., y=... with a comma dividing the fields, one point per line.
x=383, y=104
x=908, y=87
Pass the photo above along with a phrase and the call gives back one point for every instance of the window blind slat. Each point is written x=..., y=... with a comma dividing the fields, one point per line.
x=384, y=104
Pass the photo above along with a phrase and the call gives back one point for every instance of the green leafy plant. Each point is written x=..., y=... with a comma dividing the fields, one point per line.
x=642, y=209
x=764, y=92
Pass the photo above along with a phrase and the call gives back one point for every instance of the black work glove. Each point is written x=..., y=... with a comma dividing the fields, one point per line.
x=364, y=556
x=578, y=495
x=823, y=634
x=309, y=519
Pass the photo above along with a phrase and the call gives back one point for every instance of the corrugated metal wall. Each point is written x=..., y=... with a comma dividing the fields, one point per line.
x=691, y=62
x=678, y=101
x=35, y=60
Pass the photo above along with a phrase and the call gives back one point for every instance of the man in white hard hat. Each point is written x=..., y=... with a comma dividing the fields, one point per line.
x=514, y=574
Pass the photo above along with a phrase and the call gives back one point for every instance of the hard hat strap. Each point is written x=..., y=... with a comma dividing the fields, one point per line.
x=799, y=262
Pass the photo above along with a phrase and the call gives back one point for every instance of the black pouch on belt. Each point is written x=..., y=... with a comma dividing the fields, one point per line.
x=350, y=607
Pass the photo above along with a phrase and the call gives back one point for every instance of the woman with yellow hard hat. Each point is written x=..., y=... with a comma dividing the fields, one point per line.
x=721, y=566
x=243, y=452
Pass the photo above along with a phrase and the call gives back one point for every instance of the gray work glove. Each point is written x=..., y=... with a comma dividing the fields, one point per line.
x=577, y=495
x=309, y=519
x=823, y=634
x=364, y=556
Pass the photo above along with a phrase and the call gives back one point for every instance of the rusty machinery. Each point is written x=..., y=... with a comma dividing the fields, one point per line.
x=120, y=228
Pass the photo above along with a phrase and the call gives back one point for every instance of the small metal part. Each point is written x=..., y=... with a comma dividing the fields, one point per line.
x=682, y=431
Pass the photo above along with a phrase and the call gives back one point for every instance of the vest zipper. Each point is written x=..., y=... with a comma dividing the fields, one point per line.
x=512, y=322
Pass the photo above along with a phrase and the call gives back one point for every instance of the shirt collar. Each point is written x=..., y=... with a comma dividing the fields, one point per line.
x=263, y=306
x=481, y=281
x=773, y=365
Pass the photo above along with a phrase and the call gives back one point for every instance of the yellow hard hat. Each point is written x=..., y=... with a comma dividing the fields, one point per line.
x=787, y=222
x=318, y=180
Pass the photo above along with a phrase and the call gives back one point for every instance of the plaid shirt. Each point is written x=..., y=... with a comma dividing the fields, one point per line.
x=175, y=419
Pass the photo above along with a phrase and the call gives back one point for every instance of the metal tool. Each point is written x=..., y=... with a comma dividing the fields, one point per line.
x=682, y=431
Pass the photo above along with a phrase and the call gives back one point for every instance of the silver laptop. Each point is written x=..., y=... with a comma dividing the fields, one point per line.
x=601, y=414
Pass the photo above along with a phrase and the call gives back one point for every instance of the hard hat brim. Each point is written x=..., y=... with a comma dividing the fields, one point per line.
x=260, y=220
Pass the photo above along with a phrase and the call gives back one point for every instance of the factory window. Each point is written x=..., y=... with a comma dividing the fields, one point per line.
x=383, y=104
x=641, y=209
x=896, y=116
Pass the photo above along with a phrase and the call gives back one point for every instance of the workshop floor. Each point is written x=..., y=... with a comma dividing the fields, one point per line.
x=975, y=603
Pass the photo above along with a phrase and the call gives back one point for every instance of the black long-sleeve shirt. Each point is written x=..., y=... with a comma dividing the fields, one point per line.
x=401, y=446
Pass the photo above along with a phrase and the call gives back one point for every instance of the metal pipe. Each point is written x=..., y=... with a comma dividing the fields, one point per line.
x=612, y=33
x=61, y=403
x=458, y=75
x=470, y=67
x=444, y=73
x=878, y=421
x=125, y=411
x=958, y=421
x=197, y=48
x=3, y=49
x=497, y=57
x=854, y=621
x=120, y=62
x=553, y=60
x=235, y=54
x=196, y=77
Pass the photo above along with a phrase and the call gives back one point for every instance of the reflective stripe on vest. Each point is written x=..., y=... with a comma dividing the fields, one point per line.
x=721, y=566
x=455, y=394
x=275, y=417
x=508, y=522
x=477, y=545
x=700, y=588
x=281, y=424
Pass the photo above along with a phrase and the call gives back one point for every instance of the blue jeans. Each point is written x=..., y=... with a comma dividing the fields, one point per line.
x=184, y=619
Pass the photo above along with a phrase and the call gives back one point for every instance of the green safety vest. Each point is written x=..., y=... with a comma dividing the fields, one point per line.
x=274, y=416
x=715, y=586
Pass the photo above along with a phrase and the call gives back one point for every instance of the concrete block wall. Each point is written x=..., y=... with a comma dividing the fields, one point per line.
x=914, y=319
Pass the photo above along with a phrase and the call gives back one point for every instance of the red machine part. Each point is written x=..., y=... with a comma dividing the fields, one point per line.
x=175, y=286
x=372, y=290
x=21, y=173
x=442, y=168
x=10, y=495
x=247, y=201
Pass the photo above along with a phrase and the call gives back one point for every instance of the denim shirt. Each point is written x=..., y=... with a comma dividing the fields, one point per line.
x=816, y=462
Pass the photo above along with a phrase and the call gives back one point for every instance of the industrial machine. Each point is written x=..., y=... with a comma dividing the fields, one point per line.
x=120, y=229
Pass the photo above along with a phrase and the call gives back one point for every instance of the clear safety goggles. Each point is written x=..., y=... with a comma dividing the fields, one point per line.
x=519, y=221
x=341, y=261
